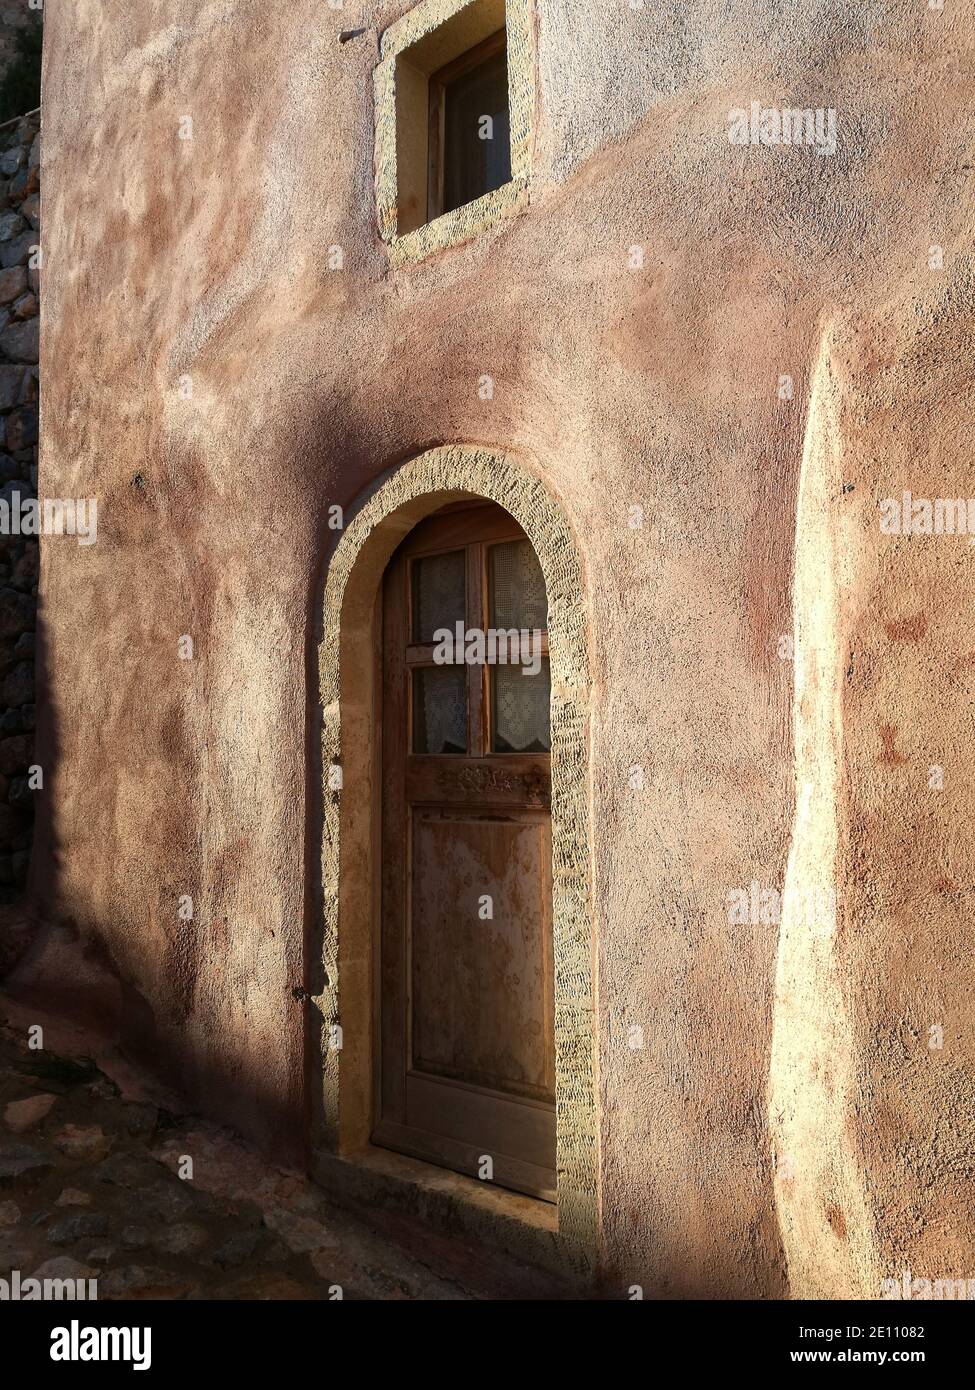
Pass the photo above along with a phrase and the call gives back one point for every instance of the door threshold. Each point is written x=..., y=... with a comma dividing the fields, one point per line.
x=524, y=1228
x=436, y=1150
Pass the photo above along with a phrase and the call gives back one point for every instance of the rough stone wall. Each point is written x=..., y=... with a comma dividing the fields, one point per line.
x=655, y=381
x=20, y=221
x=14, y=15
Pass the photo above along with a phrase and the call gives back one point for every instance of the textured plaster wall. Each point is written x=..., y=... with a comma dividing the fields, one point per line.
x=657, y=387
x=871, y=1091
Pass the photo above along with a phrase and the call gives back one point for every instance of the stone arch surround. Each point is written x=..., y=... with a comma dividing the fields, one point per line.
x=342, y=980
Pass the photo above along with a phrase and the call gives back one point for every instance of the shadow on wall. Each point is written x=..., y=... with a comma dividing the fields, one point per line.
x=49, y=964
x=54, y=960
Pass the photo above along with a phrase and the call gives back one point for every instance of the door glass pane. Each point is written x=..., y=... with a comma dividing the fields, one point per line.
x=440, y=709
x=517, y=588
x=439, y=593
x=520, y=709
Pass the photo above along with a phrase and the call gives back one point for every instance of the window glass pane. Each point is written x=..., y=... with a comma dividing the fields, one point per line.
x=517, y=587
x=439, y=593
x=520, y=709
x=473, y=164
x=440, y=709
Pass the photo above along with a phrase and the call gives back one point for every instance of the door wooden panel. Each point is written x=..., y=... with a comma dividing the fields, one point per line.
x=482, y=988
x=467, y=1046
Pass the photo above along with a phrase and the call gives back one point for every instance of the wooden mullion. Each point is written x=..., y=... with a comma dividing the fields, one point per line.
x=421, y=654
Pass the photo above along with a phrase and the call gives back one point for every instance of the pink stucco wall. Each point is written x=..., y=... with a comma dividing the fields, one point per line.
x=659, y=387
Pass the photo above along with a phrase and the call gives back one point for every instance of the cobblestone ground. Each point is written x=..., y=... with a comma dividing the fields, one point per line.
x=89, y=1188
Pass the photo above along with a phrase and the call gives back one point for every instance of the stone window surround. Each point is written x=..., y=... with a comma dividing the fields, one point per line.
x=437, y=31
x=342, y=979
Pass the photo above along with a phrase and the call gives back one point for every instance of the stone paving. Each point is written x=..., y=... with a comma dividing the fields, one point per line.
x=90, y=1187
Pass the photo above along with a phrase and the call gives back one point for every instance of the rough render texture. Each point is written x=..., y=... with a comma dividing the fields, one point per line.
x=874, y=1114
x=654, y=387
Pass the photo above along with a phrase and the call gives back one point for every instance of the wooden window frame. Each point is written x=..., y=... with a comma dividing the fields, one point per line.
x=439, y=82
x=442, y=535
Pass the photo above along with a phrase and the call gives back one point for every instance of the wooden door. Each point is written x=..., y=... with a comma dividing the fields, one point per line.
x=467, y=1040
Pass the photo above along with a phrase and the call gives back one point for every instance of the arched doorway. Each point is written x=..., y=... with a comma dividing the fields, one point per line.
x=343, y=976
x=467, y=1057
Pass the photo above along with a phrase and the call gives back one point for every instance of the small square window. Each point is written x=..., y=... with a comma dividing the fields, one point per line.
x=454, y=102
